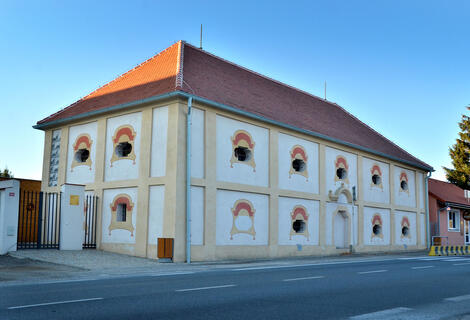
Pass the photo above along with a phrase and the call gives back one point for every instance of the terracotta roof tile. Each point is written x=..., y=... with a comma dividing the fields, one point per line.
x=187, y=68
x=447, y=192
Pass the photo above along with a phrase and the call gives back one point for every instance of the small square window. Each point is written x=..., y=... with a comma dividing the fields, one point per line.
x=453, y=221
x=121, y=212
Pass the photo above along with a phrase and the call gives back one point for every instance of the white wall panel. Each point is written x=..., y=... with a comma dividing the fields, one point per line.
x=118, y=235
x=286, y=206
x=159, y=142
x=124, y=169
x=375, y=192
x=331, y=209
x=306, y=181
x=369, y=237
x=226, y=200
x=401, y=239
x=241, y=172
x=82, y=173
x=405, y=197
x=156, y=207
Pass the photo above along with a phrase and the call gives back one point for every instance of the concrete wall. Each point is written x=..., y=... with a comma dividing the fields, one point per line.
x=9, y=202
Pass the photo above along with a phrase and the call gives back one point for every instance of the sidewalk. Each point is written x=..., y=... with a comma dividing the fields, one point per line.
x=29, y=266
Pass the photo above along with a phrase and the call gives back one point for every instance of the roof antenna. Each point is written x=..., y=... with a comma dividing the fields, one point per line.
x=325, y=90
x=200, y=39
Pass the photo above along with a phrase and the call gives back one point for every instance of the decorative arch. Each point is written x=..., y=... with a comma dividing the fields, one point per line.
x=82, y=151
x=242, y=141
x=341, y=164
x=298, y=153
x=121, y=201
x=299, y=213
x=243, y=207
x=341, y=190
x=123, y=136
x=376, y=171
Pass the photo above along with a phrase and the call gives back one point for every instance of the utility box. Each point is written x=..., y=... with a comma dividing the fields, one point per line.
x=165, y=248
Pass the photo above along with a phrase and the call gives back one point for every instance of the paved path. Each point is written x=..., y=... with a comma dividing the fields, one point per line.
x=417, y=287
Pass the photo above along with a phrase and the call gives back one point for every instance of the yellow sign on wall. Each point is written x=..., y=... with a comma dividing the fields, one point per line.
x=74, y=200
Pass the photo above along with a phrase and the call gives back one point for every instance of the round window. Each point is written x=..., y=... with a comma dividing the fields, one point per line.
x=82, y=155
x=404, y=185
x=123, y=149
x=377, y=229
x=298, y=165
x=341, y=173
x=242, y=154
x=376, y=179
x=298, y=226
x=405, y=231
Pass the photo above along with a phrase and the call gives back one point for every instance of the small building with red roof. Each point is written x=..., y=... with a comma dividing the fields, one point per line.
x=449, y=213
x=232, y=164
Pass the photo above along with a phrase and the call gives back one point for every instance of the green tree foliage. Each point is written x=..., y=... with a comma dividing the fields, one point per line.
x=460, y=154
x=6, y=173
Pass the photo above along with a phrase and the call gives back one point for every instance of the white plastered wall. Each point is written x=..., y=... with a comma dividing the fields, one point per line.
x=156, y=206
x=118, y=235
x=330, y=174
x=296, y=181
x=159, y=142
x=369, y=237
x=197, y=143
x=375, y=193
x=405, y=198
x=82, y=174
x=197, y=215
x=241, y=172
x=399, y=239
x=286, y=206
x=224, y=219
x=124, y=169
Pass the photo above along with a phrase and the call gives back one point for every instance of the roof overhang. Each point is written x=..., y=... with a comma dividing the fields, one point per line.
x=182, y=94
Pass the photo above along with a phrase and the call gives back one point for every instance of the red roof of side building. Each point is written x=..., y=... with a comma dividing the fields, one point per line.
x=183, y=67
x=447, y=192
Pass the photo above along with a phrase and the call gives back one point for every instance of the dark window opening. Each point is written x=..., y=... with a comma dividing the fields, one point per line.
x=242, y=153
x=405, y=231
x=376, y=179
x=82, y=155
x=377, y=229
x=298, y=226
x=341, y=173
x=404, y=185
x=121, y=212
x=298, y=165
x=123, y=149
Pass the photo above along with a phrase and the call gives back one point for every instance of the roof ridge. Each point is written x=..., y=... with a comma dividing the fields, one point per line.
x=303, y=92
x=179, y=65
x=112, y=81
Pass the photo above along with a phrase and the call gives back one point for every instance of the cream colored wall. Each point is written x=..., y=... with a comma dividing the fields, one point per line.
x=174, y=222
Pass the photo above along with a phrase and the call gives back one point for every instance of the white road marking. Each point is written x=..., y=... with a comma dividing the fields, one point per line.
x=453, y=260
x=459, y=298
x=380, y=314
x=307, y=265
x=305, y=278
x=373, y=271
x=423, y=267
x=206, y=288
x=461, y=264
x=51, y=303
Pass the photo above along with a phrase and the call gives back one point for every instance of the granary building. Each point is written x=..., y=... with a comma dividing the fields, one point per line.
x=275, y=171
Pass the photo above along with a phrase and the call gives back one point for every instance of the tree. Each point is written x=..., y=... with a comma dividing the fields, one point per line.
x=6, y=173
x=460, y=155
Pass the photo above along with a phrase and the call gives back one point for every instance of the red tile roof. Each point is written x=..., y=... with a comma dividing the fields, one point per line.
x=183, y=67
x=447, y=192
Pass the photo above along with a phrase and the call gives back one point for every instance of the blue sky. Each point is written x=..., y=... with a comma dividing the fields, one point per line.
x=403, y=67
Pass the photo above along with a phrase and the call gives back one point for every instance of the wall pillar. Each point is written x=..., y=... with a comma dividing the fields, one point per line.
x=9, y=206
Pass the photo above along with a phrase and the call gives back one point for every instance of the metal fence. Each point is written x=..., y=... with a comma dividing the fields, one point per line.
x=91, y=205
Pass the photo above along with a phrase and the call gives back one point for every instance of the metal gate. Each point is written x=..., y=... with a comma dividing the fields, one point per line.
x=91, y=205
x=38, y=220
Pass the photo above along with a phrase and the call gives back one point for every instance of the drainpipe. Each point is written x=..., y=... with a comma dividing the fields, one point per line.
x=188, y=182
x=428, y=228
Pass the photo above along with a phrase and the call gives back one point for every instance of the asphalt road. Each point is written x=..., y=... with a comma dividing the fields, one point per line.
x=400, y=288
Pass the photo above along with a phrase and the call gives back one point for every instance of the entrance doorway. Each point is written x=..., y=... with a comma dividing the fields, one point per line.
x=341, y=230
